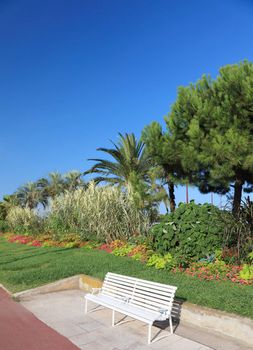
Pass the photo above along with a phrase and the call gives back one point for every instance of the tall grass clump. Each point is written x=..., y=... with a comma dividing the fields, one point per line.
x=239, y=230
x=103, y=213
x=24, y=220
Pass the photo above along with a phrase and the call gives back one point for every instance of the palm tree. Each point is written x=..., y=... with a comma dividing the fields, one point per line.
x=30, y=195
x=8, y=202
x=73, y=180
x=55, y=184
x=129, y=161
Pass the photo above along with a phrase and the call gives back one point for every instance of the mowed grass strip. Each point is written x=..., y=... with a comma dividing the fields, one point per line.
x=23, y=267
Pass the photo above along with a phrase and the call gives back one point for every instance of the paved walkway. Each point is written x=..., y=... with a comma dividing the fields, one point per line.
x=21, y=330
x=64, y=312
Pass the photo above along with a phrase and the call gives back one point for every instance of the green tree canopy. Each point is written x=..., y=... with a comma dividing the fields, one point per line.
x=211, y=127
x=165, y=157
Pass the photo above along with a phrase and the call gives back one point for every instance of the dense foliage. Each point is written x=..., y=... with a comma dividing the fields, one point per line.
x=192, y=231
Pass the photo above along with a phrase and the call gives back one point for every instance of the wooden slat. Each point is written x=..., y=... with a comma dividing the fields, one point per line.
x=114, y=287
x=121, y=285
x=141, y=281
x=148, y=290
x=116, y=291
x=156, y=286
x=157, y=304
x=120, y=277
x=151, y=298
x=145, y=306
x=141, y=293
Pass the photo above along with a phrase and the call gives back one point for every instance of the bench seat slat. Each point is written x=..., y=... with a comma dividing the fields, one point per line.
x=151, y=300
x=117, y=285
x=158, y=293
x=130, y=310
x=116, y=294
x=115, y=289
x=150, y=305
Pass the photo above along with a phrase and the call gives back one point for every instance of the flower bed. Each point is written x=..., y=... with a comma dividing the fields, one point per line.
x=216, y=269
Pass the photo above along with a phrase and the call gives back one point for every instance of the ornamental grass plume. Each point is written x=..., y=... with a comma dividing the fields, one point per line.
x=104, y=213
x=24, y=220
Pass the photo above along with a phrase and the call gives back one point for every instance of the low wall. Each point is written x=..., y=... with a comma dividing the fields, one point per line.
x=64, y=284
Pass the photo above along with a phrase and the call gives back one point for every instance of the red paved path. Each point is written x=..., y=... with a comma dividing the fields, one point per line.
x=21, y=330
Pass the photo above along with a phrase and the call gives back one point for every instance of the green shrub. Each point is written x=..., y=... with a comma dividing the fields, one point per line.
x=122, y=251
x=239, y=231
x=24, y=220
x=3, y=226
x=247, y=272
x=160, y=262
x=192, y=231
x=3, y=211
x=91, y=245
x=101, y=213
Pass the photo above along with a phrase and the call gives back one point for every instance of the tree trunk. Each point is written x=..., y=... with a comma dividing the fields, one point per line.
x=187, y=193
x=237, y=196
x=171, y=196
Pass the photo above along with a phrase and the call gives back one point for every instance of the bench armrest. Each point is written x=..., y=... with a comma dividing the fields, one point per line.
x=125, y=299
x=95, y=290
x=163, y=312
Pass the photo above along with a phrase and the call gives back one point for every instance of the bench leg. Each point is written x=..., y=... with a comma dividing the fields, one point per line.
x=149, y=333
x=171, y=326
x=86, y=306
x=113, y=318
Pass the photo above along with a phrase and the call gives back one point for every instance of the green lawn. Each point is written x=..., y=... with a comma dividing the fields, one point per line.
x=23, y=267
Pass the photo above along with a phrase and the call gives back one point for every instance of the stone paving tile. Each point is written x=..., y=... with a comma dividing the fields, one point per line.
x=96, y=346
x=185, y=344
x=166, y=340
x=64, y=311
x=82, y=339
x=68, y=330
x=90, y=326
x=210, y=339
x=235, y=346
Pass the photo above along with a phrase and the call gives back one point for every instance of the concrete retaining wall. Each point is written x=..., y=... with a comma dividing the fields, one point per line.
x=64, y=284
x=240, y=328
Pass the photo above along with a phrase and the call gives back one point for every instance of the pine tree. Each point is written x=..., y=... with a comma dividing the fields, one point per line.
x=211, y=127
x=165, y=156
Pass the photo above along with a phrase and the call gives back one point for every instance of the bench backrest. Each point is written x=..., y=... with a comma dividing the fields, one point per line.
x=142, y=293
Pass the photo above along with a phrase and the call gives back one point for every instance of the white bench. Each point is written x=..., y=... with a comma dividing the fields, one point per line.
x=140, y=299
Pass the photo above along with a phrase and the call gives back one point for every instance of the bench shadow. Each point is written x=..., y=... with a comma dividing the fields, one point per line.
x=176, y=315
x=162, y=325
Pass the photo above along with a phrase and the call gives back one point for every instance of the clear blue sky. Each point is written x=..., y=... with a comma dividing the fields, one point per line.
x=75, y=73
